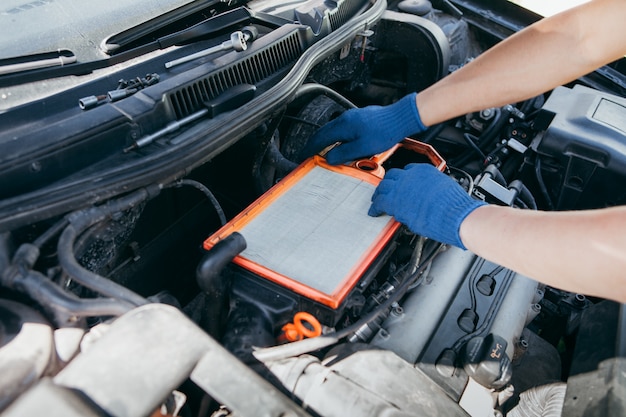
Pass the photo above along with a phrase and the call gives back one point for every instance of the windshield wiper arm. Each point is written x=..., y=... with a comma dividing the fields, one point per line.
x=226, y=20
x=35, y=61
x=117, y=43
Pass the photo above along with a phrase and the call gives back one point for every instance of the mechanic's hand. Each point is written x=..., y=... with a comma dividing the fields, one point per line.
x=427, y=201
x=367, y=131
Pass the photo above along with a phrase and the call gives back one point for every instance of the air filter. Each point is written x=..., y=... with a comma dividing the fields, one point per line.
x=311, y=233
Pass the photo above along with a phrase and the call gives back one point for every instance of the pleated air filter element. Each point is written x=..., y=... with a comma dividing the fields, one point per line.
x=311, y=233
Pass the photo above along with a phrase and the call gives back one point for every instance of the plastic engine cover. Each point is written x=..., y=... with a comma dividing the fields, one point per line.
x=587, y=137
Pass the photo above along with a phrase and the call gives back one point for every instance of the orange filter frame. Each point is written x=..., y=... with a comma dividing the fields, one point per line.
x=365, y=173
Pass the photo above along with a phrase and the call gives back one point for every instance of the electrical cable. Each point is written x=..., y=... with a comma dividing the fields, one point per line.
x=50, y=233
x=491, y=312
x=470, y=139
x=542, y=184
x=199, y=186
x=470, y=180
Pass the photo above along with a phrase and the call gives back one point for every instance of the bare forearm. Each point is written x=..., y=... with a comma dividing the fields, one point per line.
x=552, y=52
x=578, y=251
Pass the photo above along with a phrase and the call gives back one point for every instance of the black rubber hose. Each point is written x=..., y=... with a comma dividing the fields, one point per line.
x=209, y=269
x=496, y=174
x=90, y=279
x=275, y=158
x=311, y=88
x=432, y=133
x=63, y=303
x=524, y=194
x=213, y=284
x=79, y=222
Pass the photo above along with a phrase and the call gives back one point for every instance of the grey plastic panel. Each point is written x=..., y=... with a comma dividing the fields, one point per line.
x=588, y=124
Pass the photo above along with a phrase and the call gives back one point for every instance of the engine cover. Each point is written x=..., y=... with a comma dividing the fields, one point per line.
x=586, y=138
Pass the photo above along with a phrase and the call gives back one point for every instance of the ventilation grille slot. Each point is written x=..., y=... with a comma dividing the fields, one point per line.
x=345, y=10
x=251, y=70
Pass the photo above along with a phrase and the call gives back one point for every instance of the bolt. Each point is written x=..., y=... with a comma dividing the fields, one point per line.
x=580, y=300
x=397, y=311
x=523, y=343
x=486, y=113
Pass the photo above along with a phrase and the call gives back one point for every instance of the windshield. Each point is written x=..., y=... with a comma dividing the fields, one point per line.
x=38, y=26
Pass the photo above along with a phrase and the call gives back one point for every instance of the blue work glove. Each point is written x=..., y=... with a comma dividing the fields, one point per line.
x=428, y=202
x=366, y=131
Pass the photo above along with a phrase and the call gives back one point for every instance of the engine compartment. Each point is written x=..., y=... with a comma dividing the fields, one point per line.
x=133, y=282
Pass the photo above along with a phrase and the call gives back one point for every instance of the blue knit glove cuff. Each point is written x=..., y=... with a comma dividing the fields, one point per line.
x=367, y=131
x=401, y=118
x=445, y=221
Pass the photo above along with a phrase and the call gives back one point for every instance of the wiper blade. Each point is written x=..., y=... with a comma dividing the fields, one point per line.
x=187, y=14
x=35, y=61
x=117, y=43
x=224, y=21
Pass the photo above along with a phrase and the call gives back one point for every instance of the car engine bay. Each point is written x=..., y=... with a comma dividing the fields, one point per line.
x=166, y=249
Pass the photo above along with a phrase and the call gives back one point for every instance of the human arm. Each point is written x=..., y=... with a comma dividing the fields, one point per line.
x=578, y=251
x=551, y=52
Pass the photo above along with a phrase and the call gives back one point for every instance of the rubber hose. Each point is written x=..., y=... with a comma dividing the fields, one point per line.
x=79, y=222
x=275, y=158
x=65, y=304
x=213, y=284
x=310, y=88
x=525, y=194
x=209, y=269
x=90, y=279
